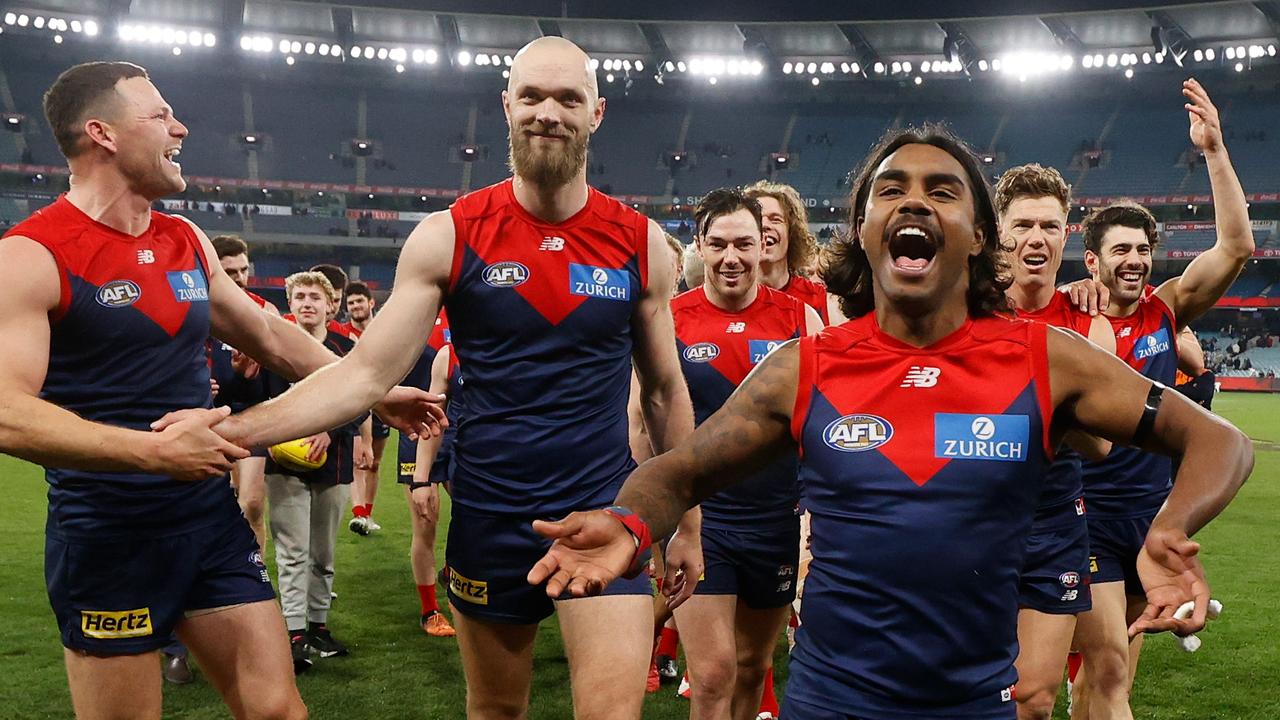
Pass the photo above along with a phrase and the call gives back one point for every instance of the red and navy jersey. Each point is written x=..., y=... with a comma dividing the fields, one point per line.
x=1063, y=483
x=334, y=326
x=127, y=345
x=349, y=330
x=921, y=468
x=540, y=316
x=718, y=348
x=261, y=301
x=810, y=293
x=1130, y=483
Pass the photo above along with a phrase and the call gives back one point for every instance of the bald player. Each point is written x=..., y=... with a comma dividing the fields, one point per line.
x=551, y=296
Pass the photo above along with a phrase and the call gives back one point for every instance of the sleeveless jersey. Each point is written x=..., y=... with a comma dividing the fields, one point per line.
x=920, y=468
x=717, y=350
x=810, y=293
x=540, y=316
x=1130, y=483
x=1063, y=483
x=127, y=345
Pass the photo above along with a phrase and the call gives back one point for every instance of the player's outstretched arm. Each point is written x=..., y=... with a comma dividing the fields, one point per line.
x=1209, y=276
x=1095, y=391
x=41, y=432
x=752, y=428
x=277, y=344
x=339, y=392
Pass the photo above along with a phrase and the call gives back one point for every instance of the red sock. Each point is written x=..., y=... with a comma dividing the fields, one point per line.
x=769, y=702
x=368, y=509
x=427, y=594
x=670, y=639
x=1074, y=662
x=358, y=511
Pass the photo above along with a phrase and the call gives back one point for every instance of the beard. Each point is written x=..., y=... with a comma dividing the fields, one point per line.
x=550, y=167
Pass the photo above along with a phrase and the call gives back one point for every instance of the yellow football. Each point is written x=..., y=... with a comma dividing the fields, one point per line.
x=293, y=455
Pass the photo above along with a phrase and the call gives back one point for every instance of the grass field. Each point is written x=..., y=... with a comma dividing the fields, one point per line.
x=395, y=671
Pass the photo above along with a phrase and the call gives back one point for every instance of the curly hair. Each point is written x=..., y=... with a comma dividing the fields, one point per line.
x=802, y=246
x=844, y=266
x=1031, y=181
x=1125, y=213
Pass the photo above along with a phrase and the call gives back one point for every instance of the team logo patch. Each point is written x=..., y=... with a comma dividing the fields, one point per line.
x=1003, y=438
x=857, y=433
x=255, y=558
x=759, y=349
x=475, y=592
x=1151, y=345
x=114, y=624
x=597, y=282
x=188, y=286
x=119, y=293
x=408, y=468
x=701, y=352
x=505, y=274
x=1069, y=579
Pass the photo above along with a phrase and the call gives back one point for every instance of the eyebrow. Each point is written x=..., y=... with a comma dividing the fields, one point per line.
x=530, y=88
x=932, y=179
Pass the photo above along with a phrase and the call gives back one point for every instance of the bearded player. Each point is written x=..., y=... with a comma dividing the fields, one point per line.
x=922, y=497
x=551, y=297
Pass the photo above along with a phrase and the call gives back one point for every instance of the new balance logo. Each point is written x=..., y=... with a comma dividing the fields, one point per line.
x=1124, y=333
x=921, y=376
x=146, y=257
x=736, y=327
x=554, y=244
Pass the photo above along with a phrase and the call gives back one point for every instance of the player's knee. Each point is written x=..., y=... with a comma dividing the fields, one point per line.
x=715, y=679
x=492, y=706
x=279, y=706
x=1035, y=703
x=1107, y=670
x=750, y=671
x=253, y=509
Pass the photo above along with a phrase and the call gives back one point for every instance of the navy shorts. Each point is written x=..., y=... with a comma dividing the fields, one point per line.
x=380, y=431
x=1055, y=572
x=487, y=558
x=124, y=596
x=1114, y=546
x=793, y=709
x=408, y=463
x=759, y=566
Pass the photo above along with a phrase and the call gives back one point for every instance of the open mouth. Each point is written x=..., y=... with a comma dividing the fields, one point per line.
x=912, y=249
x=1035, y=260
x=770, y=239
x=1131, y=276
x=731, y=276
x=171, y=155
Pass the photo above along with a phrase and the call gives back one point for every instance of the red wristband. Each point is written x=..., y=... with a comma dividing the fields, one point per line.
x=639, y=532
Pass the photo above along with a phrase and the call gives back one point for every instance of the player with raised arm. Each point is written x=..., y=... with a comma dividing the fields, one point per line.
x=921, y=497
x=1125, y=491
x=750, y=532
x=108, y=306
x=551, y=298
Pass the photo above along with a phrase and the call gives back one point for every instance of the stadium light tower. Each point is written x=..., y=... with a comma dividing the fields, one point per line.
x=1169, y=37
x=957, y=47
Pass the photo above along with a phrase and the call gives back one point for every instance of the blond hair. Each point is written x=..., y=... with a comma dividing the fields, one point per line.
x=802, y=246
x=310, y=278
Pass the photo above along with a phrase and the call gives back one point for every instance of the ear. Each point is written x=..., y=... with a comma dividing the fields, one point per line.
x=1091, y=262
x=597, y=116
x=857, y=232
x=979, y=240
x=506, y=106
x=101, y=133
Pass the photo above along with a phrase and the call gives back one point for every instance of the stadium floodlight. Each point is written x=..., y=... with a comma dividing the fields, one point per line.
x=176, y=49
x=508, y=60
x=482, y=60
x=844, y=68
x=815, y=81
x=464, y=58
x=1146, y=58
x=639, y=65
x=626, y=65
x=357, y=51
x=1087, y=61
x=1112, y=59
x=283, y=47
x=1240, y=51
x=1271, y=50
x=879, y=67
x=608, y=63
x=38, y=23
x=854, y=69
x=671, y=67
x=1231, y=53
x=399, y=68
x=210, y=40
x=309, y=48
x=595, y=64
x=506, y=75
x=1128, y=73
x=906, y=66
x=608, y=77
x=262, y=44
x=983, y=65
x=295, y=47
x=23, y=20
x=1209, y=54
x=1256, y=51
x=419, y=55
x=828, y=68
x=997, y=65
x=1239, y=67
x=896, y=67
x=289, y=60
x=10, y=18
x=336, y=51
x=323, y=49
x=918, y=80
x=179, y=37
x=713, y=80
x=383, y=53
x=398, y=55
x=1198, y=55
x=681, y=66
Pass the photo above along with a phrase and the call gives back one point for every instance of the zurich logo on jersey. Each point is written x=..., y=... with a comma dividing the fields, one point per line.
x=505, y=274
x=598, y=282
x=701, y=352
x=188, y=286
x=1003, y=438
x=760, y=348
x=1151, y=345
x=857, y=433
x=119, y=293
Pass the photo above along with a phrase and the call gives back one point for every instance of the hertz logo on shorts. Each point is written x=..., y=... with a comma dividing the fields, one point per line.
x=408, y=468
x=475, y=592
x=111, y=624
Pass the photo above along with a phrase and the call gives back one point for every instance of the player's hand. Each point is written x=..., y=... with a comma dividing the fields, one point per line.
x=363, y=454
x=187, y=449
x=317, y=445
x=591, y=550
x=213, y=387
x=684, y=567
x=415, y=413
x=245, y=366
x=426, y=502
x=1171, y=574
x=1089, y=295
x=1206, y=127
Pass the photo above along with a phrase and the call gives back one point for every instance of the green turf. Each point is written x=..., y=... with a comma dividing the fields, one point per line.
x=395, y=671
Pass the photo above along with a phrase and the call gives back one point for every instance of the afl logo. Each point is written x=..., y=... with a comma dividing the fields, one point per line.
x=119, y=293
x=505, y=274
x=857, y=433
x=1069, y=579
x=701, y=352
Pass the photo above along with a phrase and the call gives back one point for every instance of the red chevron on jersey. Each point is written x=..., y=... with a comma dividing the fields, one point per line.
x=810, y=293
x=735, y=342
x=554, y=267
x=1060, y=312
x=981, y=368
